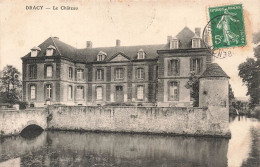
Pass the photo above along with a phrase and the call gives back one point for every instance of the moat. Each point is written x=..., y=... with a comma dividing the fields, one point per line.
x=105, y=149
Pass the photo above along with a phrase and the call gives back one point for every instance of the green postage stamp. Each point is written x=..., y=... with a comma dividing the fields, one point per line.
x=227, y=26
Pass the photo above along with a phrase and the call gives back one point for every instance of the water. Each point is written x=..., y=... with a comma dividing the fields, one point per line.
x=105, y=149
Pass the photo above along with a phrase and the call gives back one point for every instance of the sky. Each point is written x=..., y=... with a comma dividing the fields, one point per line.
x=102, y=22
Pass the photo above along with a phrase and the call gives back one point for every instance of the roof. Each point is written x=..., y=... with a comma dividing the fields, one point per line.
x=214, y=70
x=131, y=52
x=36, y=48
x=51, y=47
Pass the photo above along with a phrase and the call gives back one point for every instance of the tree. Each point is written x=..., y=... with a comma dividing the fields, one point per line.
x=193, y=85
x=249, y=71
x=10, y=85
x=230, y=94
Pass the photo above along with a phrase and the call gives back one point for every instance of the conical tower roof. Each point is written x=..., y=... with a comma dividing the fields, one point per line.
x=214, y=70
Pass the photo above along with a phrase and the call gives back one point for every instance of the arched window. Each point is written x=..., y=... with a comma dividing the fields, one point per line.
x=70, y=92
x=173, y=91
x=70, y=72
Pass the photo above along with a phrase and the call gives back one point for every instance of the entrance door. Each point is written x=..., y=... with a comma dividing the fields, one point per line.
x=119, y=94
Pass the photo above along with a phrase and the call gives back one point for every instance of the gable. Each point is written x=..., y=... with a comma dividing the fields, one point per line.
x=119, y=57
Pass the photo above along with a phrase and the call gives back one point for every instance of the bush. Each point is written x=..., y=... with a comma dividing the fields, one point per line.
x=118, y=104
x=22, y=105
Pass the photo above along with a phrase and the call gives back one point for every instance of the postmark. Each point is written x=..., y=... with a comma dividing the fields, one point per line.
x=227, y=26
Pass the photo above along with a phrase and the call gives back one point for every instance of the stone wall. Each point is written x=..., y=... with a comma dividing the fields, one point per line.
x=212, y=121
x=13, y=122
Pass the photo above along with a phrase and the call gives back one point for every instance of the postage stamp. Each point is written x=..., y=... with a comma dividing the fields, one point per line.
x=227, y=26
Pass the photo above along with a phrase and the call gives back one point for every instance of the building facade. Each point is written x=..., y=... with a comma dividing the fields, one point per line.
x=57, y=73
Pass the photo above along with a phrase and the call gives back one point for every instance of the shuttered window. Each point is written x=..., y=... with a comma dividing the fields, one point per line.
x=196, y=65
x=33, y=71
x=173, y=67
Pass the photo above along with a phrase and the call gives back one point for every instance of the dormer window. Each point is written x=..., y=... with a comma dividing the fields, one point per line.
x=35, y=51
x=50, y=50
x=195, y=43
x=174, y=44
x=101, y=56
x=141, y=54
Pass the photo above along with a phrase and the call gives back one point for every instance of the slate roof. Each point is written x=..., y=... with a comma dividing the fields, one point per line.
x=129, y=51
x=89, y=54
x=214, y=70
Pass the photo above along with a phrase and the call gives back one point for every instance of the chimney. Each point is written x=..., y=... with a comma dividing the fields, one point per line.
x=169, y=38
x=89, y=44
x=56, y=37
x=118, y=42
x=197, y=31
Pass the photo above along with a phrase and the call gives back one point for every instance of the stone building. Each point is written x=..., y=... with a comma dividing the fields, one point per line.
x=57, y=73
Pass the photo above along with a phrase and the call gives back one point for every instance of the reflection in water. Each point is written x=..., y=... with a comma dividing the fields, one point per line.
x=104, y=149
x=31, y=131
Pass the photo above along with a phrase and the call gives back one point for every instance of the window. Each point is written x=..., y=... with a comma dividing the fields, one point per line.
x=195, y=43
x=70, y=72
x=99, y=91
x=33, y=92
x=33, y=71
x=141, y=54
x=80, y=92
x=173, y=91
x=101, y=56
x=79, y=74
x=34, y=53
x=48, y=91
x=49, y=71
x=100, y=74
x=70, y=92
x=140, y=92
x=196, y=65
x=140, y=73
x=174, y=44
x=49, y=52
x=119, y=73
x=173, y=67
